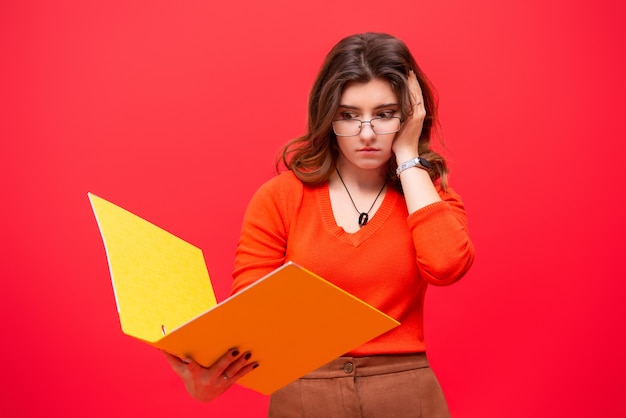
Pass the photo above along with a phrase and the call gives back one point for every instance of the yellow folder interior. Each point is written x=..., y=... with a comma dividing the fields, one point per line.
x=160, y=280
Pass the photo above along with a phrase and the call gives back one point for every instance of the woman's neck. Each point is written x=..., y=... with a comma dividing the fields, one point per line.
x=364, y=180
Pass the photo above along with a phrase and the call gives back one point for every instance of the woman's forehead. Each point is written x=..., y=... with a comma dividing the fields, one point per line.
x=373, y=93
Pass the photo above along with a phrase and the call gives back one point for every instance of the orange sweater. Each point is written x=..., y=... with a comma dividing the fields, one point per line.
x=388, y=263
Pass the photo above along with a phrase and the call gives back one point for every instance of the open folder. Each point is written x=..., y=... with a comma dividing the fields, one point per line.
x=292, y=321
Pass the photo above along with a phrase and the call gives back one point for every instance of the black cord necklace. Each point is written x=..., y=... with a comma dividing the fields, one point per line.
x=363, y=216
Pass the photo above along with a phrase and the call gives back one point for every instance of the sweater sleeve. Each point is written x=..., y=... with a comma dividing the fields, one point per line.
x=443, y=247
x=263, y=239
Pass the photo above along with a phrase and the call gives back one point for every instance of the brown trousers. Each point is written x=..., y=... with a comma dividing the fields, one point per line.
x=389, y=386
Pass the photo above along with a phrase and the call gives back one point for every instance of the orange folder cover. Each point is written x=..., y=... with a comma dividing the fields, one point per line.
x=292, y=320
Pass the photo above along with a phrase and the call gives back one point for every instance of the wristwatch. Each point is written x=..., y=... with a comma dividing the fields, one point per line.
x=415, y=162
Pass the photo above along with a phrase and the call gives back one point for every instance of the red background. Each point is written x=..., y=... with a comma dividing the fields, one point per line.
x=175, y=110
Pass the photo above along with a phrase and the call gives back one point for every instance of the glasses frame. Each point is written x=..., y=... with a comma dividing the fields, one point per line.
x=361, y=122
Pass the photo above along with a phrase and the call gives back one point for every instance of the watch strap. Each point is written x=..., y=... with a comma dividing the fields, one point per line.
x=414, y=162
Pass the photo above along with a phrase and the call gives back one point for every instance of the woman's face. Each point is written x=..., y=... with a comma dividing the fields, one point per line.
x=366, y=101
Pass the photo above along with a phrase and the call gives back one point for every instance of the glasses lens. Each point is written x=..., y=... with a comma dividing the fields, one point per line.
x=347, y=127
x=383, y=126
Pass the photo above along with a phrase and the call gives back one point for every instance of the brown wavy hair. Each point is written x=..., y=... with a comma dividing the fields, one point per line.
x=360, y=58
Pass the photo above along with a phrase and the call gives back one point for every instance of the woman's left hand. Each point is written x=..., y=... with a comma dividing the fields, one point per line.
x=207, y=383
x=407, y=140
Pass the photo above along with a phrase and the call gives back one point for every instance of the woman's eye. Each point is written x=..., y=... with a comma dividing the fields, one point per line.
x=388, y=114
x=347, y=115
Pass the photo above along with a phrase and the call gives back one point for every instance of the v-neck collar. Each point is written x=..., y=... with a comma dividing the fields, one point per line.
x=374, y=224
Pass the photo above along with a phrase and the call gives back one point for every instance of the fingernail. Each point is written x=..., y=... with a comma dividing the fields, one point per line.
x=235, y=353
x=247, y=356
x=255, y=365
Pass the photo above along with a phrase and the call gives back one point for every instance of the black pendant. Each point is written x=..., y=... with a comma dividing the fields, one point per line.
x=363, y=218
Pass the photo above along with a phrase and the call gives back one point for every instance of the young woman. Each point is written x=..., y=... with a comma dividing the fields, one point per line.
x=364, y=203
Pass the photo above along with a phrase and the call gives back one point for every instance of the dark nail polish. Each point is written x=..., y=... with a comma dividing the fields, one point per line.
x=235, y=353
x=255, y=365
x=247, y=356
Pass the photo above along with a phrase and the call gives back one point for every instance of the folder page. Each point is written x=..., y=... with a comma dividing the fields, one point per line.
x=160, y=281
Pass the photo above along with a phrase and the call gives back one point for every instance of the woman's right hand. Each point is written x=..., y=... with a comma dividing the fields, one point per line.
x=207, y=383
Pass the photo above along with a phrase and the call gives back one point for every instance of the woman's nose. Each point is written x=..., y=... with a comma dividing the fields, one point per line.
x=367, y=132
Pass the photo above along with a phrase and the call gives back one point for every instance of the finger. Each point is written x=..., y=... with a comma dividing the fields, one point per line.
x=417, y=92
x=192, y=366
x=414, y=88
x=247, y=368
x=413, y=85
x=234, y=367
x=176, y=362
x=227, y=359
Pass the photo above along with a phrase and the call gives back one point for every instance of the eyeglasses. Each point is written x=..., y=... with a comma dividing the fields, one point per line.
x=380, y=126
